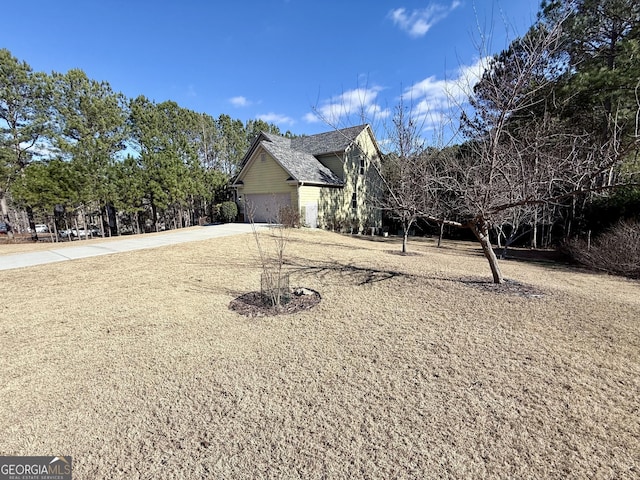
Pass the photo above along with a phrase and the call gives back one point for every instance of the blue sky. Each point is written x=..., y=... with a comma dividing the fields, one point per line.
x=284, y=61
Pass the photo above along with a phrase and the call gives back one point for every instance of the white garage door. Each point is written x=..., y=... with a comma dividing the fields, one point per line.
x=264, y=208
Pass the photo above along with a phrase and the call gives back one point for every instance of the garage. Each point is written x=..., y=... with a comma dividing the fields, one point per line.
x=264, y=208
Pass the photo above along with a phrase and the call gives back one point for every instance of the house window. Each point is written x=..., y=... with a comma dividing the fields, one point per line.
x=361, y=165
x=263, y=157
x=354, y=201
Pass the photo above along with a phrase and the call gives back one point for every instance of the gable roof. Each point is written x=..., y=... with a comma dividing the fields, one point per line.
x=328, y=142
x=302, y=166
x=298, y=155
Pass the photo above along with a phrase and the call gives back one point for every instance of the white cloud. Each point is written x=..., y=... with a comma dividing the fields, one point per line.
x=276, y=118
x=418, y=22
x=239, y=101
x=359, y=102
x=432, y=100
x=435, y=103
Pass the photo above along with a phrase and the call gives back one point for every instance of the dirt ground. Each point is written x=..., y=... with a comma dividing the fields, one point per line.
x=409, y=367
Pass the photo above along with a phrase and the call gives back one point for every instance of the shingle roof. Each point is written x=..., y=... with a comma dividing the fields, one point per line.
x=329, y=142
x=302, y=166
x=298, y=155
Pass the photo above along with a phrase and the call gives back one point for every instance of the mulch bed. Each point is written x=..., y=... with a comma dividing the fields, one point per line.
x=254, y=304
x=403, y=254
x=509, y=287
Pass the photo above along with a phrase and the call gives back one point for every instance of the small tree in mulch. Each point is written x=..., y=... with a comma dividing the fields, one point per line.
x=275, y=297
x=274, y=281
x=254, y=304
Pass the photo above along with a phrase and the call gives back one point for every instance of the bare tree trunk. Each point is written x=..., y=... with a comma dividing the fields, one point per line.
x=4, y=207
x=84, y=225
x=101, y=216
x=534, y=236
x=32, y=224
x=504, y=252
x=406, y=226
x=154, y=215
x=572, y=215
x=104, y=212
x=49, y=229
x=481, y=231
x=441, y=234
x=549, y=234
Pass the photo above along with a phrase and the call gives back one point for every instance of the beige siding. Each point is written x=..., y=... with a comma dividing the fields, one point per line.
x=265, y=177
x=309, y=200
x=308, y=194
x=367, y=186
x=333, y=209
x=334, y=163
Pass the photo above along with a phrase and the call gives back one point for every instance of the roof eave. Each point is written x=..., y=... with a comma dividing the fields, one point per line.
x=320, y=184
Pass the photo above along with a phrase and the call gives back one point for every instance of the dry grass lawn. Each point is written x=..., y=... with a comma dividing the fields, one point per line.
x=133, y=364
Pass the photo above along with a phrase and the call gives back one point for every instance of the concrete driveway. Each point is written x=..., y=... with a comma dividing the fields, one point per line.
x=123, y=244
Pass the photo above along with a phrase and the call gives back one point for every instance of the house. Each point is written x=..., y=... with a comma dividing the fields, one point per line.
x=332, y=179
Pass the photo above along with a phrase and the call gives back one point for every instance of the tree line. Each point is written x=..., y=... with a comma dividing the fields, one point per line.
x=551, y=140
x=551, y=137
x=75, y=150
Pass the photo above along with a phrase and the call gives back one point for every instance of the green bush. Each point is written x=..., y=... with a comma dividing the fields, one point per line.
x=228, y=211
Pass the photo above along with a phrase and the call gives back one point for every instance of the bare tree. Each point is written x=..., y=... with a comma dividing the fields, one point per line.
x=271, y=243
x=404, y=174
x=513, y=224
x=521, y=156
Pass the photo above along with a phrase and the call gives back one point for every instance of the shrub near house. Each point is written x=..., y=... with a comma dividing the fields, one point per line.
x=228, y=211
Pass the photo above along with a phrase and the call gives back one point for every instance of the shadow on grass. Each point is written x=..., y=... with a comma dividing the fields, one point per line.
x=509, y=287
x=547, y=258
x=356, y=274
x=533, y=255
x=366, y=276
x=324, y=244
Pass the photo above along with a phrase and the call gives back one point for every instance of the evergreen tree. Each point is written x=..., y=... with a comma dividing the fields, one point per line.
x=91, y=121
x=25, y=118
x=232, y=144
